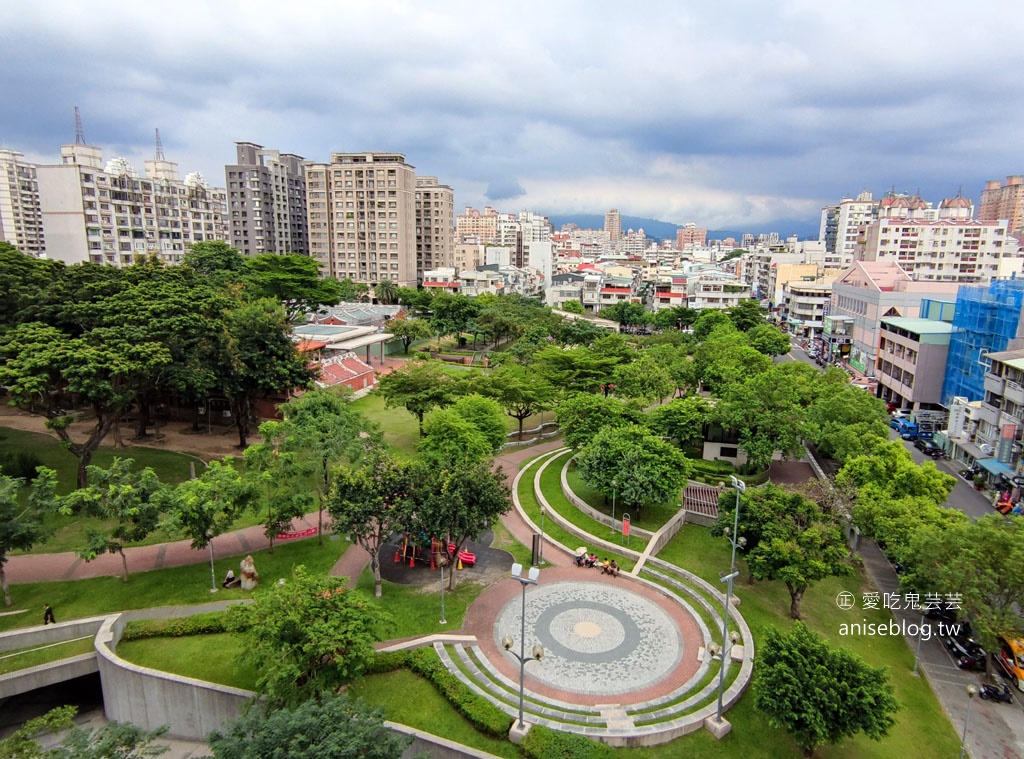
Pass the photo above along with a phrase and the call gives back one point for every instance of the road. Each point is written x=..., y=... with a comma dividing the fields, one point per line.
x=964, y=497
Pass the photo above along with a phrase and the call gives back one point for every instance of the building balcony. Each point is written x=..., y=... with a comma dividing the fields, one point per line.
x=987, y=413
x=1014, y=393
x=994, y=383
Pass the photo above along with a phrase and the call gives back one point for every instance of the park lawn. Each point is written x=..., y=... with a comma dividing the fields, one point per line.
x=417, y=610
x=32, y=657
x=401, y=429
x=169, y=466
x=409, y=699
x=217, y=658
x=651, y=518
x=920, y=723
x=163, y=587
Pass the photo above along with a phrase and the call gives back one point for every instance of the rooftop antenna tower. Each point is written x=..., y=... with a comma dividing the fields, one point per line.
x=159, y=147
x=79, y=129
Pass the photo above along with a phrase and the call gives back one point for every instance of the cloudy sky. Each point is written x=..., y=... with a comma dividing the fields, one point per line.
x=734, y=114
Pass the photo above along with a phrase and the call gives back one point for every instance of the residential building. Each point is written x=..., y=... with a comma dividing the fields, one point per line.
x=805, y=305
x=267, y=201
x=435, y=229
x=840, y=225
x=715, y=289
x=467, y=255
x=950, y=248
x=613, y=225
x=110, y=215
x=362, y=217
x=911, y=360
x=481, y=225
x=564, y=287
x=668, y=290
x=689, y=235
x=988, y=319
x=443, y=279
x=1004, y=201
x=633, y=244
x=864, y=295
x=21, y=219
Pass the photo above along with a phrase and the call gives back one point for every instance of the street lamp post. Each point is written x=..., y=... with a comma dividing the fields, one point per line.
x=917, y=651
x=442, y=562
x=615, y=491
x=506, y=642
x=213, y=574
x=728, y=640
x=972, y=691
x=540, y=548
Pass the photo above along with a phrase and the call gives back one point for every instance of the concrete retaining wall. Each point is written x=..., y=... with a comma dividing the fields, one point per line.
x=191, y=708
x=41, y=635
x=435, y=746
x=586, y=508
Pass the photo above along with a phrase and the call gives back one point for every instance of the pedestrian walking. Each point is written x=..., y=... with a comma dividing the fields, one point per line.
x=48, y=618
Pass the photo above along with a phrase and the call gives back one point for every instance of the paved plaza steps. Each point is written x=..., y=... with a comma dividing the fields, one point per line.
x=651, y=722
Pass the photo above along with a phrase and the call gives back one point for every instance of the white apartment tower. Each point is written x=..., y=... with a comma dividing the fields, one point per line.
x=362, y=217
x=613, y=225
x=21, y=220
x=110, y=215
x=267, y=201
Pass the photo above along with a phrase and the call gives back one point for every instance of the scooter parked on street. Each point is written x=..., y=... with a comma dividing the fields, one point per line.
x=999, y=692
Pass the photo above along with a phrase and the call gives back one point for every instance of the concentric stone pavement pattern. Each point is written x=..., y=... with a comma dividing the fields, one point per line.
x=598, y=639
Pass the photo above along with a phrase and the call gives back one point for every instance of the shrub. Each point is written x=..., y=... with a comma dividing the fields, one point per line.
x=388, y=662
x=544, y=743
x=20, y=464
x=484, y=715
x=177, y=627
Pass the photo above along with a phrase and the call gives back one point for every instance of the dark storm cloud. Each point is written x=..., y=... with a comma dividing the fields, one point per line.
x=727, y=114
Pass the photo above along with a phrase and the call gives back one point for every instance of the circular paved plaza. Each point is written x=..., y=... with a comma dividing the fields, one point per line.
x=608, y=640
x=596, y=637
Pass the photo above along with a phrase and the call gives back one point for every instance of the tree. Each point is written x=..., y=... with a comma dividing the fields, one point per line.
x=209, y=505
x=626, y=314
x=794, y=541
x=707, y=321
x=114, y=740
x=574, y=369
x=215, y=259
x=889, y=472
x=451, y=440
x=746, y=315
x=419, y=387
x=458, y=504
x=323, y=426
x=371, y=503
x=582, y=415
x=386, y=292
x=331, y=727
x=350, y=291
x=682, y=419
x=521, y=391
x=818, y=694
x=845, y=422
x=23, y=282
x=408, y=331
x=572, y=307
x=102, y=369
x=634, y=465
x=486, y=415
x=579, y=332
x=294, y=281
x=21, y=525
x=677, y=317
x=127, y=498
x=259, y=358
x=451, y=314
x=644, y=379
x=978, y=559
x=769, y=340
x=308, y=636
x=279, y=473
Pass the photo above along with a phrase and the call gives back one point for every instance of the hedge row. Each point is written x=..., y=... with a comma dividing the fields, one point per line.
x=484, y=715
x=210, y=623
x=544, y=743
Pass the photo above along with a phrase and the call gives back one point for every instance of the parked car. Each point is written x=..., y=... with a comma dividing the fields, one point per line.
x=965, y=650
x=928, y=447
x=902, y=413
x=942, y=612
x=1010, y=657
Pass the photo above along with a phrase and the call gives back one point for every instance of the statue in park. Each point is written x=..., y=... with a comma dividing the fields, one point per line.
x=250, y=577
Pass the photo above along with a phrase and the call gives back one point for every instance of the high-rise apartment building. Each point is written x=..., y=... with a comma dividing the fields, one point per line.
x=267, y=201
x=111, y=215
x=435, y=210
x=690, y=235
x=362, y=217
x=21, y=220
x=613, y=225
x=481, y=225
x=943, y=245
x=1004, y=202
x=840, y=225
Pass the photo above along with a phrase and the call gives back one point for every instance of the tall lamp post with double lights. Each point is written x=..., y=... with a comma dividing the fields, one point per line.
x=213, y=574
x=972, y=692
x=615, y=492
x=729, y=639
x=442, y=561
x=507, y=642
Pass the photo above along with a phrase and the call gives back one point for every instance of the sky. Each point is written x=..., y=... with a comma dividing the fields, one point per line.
x=733, y=114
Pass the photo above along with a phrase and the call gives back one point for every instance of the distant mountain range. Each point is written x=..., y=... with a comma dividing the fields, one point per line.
x=664, y=230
